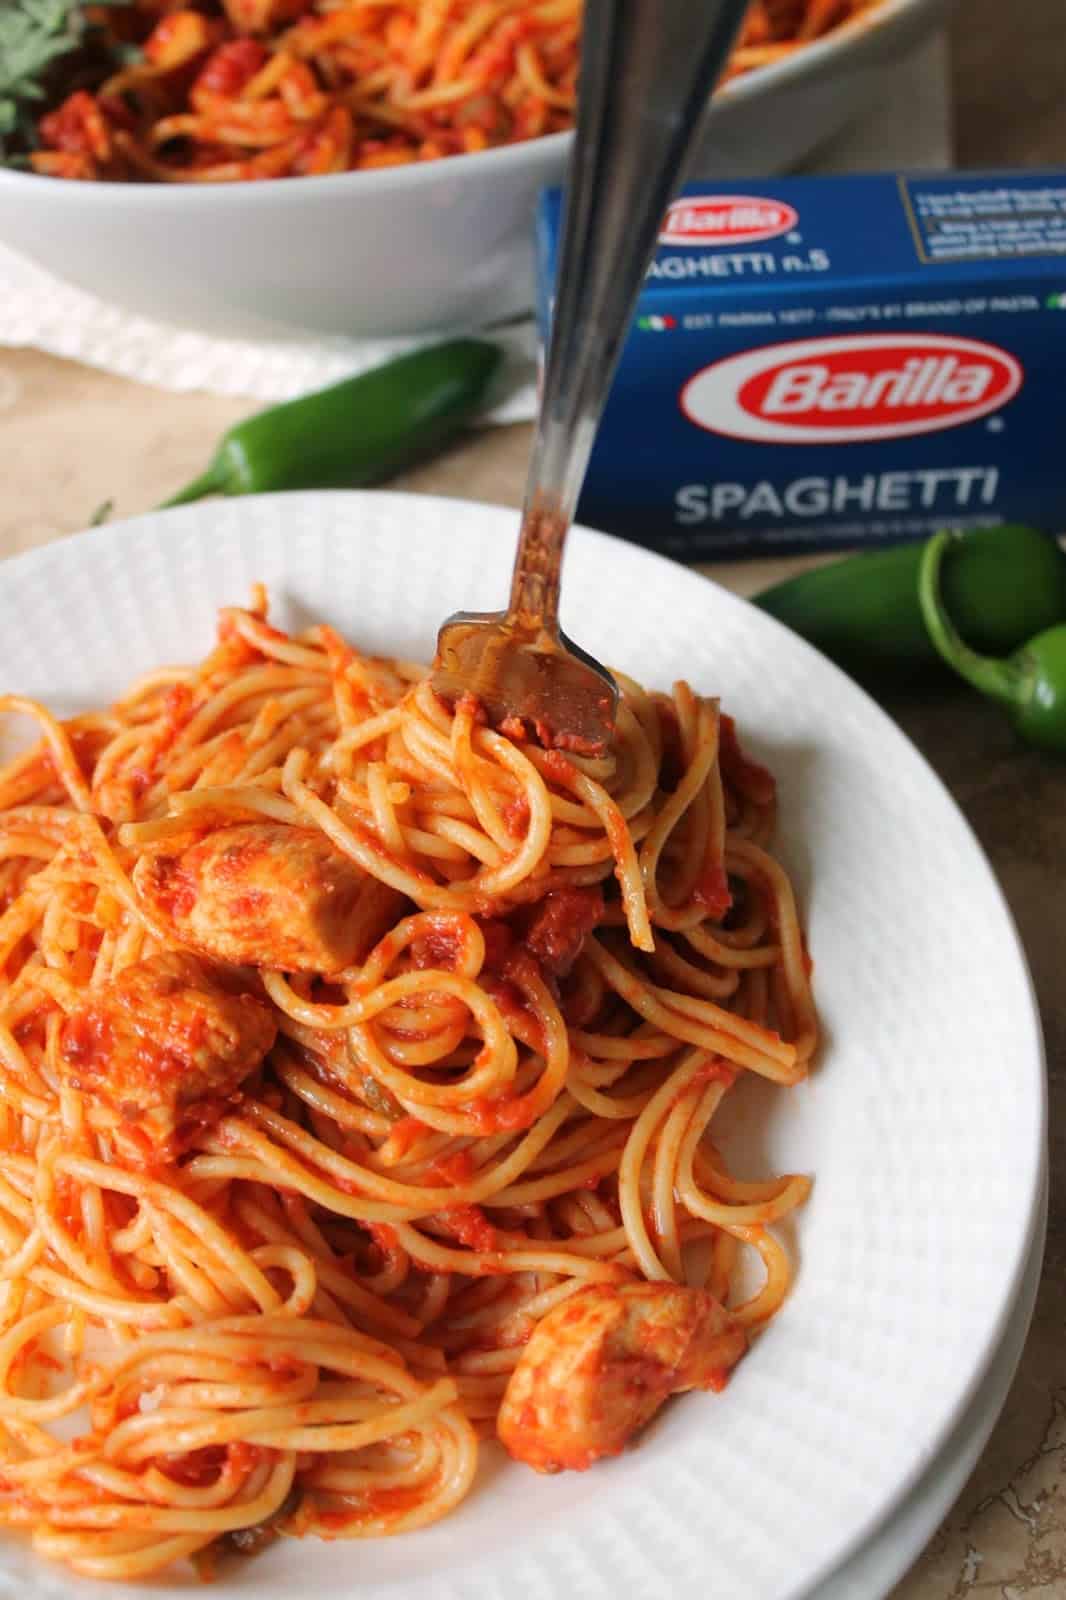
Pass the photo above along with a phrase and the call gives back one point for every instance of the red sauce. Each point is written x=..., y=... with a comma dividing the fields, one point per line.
x=507, y=1114
x=508, y=998
x=380, y=1502
x=194, y=1468
x=715, y=1072
x=384, y=1502
x=250, y=905
x=560, y=925
x=174, y=888
x=520, y=729
x=177, y=709
x=576, y=741
x=470, y=1226
x=499, y=940
x=86, y=1041
x=712, y=891
x=205, y=1113
x=441, y=945
x=77, y=127
x=384, y=1236
x=558, y=767
x=471, y=705
x=283, y=1366
x=404, y=1133
x=332, y=1522
x=456, y=1169
x=753, y=780
x=229, y=68
x=516, y=817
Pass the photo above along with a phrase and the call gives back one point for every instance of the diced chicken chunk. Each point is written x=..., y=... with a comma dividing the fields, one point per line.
x=267, y=895
x=560, y=924
x=600, y=1365
x=160, y=1050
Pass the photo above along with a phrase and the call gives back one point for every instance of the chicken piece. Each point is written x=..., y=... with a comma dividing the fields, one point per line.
x=160, y=1051
x=600, y=1365
x=560, y=924
x=263, y=894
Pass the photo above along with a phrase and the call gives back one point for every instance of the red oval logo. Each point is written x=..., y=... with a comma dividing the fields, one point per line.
x=851, y=388
x=726, y=219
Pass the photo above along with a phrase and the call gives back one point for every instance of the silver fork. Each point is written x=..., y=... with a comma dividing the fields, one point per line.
x=647, y=70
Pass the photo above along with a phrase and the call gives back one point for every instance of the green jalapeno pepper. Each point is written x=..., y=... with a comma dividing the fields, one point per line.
x=358, y=431
x=1001, y=586
x=1030, y=682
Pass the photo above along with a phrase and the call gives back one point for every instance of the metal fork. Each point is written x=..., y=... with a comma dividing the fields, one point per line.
x=647, y=70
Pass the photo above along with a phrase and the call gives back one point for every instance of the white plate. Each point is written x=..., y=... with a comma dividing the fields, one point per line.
x=924, y=1124
x=873, y=1571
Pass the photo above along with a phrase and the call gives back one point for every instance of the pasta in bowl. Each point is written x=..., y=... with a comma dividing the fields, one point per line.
x=253, y=89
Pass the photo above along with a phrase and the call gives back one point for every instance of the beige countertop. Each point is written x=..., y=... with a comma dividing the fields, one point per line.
x=71, y=438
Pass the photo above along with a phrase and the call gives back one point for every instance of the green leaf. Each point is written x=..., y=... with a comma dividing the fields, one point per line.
x=34, y=34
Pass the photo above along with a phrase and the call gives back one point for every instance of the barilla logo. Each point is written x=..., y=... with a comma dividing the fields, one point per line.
x=844, y=389
x=726, y=219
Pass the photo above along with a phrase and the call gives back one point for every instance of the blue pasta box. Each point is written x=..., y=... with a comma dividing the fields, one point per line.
x=822, y=363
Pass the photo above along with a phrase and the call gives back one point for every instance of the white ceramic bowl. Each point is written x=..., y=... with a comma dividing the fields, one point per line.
x=407, y=249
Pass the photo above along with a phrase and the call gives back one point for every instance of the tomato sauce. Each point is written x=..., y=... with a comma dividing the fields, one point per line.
x=405, y=1133
x=470, y=1226
x=440, y=945
x=499, y=940
x=393, y=1498
x=174, y=888
x=516, y=817
x=229, y=68
x=506, y=1114
x=77, y=127
x=712, y=891
x=456, y=1169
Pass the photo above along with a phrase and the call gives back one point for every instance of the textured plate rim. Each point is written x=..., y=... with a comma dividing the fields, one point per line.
x=910, y=1528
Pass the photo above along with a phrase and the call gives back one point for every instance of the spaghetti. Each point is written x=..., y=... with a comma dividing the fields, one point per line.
x=235, y=89
x=344, y=1043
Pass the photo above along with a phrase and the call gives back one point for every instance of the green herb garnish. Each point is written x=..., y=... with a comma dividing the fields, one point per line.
x=34, y=34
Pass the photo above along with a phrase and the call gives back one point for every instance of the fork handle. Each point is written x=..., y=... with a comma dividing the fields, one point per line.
x=647, y=71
